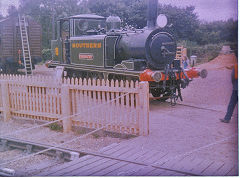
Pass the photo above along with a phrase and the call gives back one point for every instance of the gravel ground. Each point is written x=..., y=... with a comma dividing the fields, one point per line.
x=214, y=91
x=30, y=166
x=182, y=129
x=47, y=136
x=178, y=130
x=25, y=167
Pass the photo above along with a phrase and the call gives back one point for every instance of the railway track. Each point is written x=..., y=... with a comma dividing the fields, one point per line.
x=63, y=155
x=197, y=107
x=32, y=147
x=24, y=167
x=21, y=148
x=187, y=105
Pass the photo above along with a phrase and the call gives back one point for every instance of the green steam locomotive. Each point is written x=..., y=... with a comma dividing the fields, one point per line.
x=92, y=46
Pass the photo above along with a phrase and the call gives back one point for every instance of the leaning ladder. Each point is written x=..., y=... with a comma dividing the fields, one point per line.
x=25, y=45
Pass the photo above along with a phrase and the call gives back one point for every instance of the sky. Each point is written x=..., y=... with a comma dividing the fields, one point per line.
x=5, y=3
x=207, y=10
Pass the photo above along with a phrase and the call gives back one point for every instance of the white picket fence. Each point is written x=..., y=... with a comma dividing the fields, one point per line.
x=122, y=107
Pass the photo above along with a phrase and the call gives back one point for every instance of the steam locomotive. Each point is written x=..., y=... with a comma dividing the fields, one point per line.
x=92, y=46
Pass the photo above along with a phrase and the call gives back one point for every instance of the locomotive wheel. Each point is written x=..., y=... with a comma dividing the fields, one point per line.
x=94, y=75
x=164, y=98
x=156, y=92
x=82, y=74
x=116, y=77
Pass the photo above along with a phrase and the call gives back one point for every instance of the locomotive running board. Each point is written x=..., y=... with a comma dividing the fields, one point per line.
x=95, y=69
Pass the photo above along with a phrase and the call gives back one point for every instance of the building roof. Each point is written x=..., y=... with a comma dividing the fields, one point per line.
x=3, y=20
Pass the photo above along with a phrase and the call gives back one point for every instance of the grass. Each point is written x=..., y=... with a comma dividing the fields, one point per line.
x=95, y=135
x=56, y=127
x=81, y=131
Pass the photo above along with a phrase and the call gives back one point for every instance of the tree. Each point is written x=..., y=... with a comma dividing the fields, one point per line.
x=12, y=10
x=134, y=12
x=33, y=8
x=218, y=31
x=185, y=23
x=131, y=12
x=45, y=11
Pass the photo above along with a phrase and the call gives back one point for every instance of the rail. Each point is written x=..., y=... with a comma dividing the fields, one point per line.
x=32, y=147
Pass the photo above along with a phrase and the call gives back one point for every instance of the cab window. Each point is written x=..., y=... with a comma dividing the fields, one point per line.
x=84, y=26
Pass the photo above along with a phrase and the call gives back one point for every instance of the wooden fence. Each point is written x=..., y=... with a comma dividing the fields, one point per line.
x=120, y=106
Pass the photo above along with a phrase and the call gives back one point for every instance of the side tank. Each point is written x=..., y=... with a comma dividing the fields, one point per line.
x=132, y=45
x=156, y=46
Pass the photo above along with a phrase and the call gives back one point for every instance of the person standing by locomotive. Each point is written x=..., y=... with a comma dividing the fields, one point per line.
x=234, y=96
x=185, y=62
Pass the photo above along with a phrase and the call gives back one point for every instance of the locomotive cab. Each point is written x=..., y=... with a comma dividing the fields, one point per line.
x=78, y=25
x=79, y=40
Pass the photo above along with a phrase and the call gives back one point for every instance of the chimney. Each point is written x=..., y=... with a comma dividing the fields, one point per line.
x=152, y=13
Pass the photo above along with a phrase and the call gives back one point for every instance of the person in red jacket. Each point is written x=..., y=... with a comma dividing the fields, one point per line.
x=234, y=97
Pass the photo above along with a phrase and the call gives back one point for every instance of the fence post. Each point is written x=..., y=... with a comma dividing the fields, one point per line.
x=65, y=102
x=144, y=108
x=5, y=101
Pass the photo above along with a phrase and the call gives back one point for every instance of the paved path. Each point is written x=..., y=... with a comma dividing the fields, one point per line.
x=135, y=161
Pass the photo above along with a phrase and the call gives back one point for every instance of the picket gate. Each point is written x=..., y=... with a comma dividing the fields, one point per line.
x=121, y=107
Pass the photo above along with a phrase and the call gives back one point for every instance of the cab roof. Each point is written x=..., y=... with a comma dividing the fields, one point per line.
x=85, y=16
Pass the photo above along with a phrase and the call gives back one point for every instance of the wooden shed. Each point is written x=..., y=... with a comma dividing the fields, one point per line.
x=10, y=40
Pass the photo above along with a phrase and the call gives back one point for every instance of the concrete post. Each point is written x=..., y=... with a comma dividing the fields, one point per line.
x=65, y=101
x=144, y=108
x=5, y=101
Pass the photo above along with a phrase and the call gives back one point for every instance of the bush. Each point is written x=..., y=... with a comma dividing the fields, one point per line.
x=46, y=54
x=207, y=52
